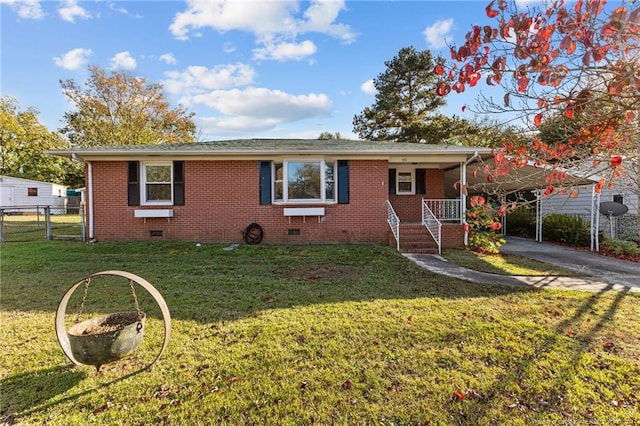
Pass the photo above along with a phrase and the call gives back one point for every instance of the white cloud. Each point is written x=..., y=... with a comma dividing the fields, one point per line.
x=368, y=87
x=285, y=51
x=320, y=17
x=168, y=58
x=273, y=23
x=70, y=10
x=199, y=79
x=27, y=9
x=73, y=59
x=124, y=61
x=233, y=125
x=228, y=48
x=439, y=34
x=264, y=103
x=118, y=8
x=258, y=109
x=262, y=17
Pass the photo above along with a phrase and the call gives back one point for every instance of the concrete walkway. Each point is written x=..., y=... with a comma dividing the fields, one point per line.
x=598, y=273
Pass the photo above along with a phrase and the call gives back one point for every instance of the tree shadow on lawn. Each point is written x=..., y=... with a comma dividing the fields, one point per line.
x=33, y=388
x=569, y=335
x=36, y=391
x=208, y=283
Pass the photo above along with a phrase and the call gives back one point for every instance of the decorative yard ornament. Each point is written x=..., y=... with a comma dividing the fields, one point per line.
x=101, y=340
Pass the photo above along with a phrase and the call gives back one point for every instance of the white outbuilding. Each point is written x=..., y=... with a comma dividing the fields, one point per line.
x=19, y=195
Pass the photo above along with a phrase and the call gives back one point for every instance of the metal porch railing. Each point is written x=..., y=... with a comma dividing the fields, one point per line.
x=433, y=225
x=445, y=210
x=394, y=223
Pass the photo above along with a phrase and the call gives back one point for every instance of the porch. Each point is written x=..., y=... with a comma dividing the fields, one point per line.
x=425, y=225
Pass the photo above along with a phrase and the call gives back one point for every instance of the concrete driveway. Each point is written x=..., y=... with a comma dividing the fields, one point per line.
x=598, y=267
x=598, y=273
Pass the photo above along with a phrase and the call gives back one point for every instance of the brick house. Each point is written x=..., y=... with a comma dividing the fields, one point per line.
x=297, y=191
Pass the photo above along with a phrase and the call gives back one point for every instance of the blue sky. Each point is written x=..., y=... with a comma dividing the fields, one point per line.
x=263, y=69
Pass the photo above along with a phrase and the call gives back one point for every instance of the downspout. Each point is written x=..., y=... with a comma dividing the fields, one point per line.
x=463, y=196
x=90, y=198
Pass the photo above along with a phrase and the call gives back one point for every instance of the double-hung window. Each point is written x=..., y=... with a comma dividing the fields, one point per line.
x=405, y=182
x=304, y=181
x=157, y=183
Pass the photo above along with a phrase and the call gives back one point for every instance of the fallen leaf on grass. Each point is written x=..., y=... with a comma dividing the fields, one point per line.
x=458, y=394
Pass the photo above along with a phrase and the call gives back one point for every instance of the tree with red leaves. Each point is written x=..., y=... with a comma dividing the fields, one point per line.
x=579, y=61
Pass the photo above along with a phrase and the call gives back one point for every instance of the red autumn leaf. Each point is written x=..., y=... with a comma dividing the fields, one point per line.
x=569, y=113
x=464, y=107
x=438, y=70
x=573, y=194
x=491, y=12
x=571, y=333
x=523, y=82
x=506, y=99
x=630, y=115
x=443, y=89
x=538, y=120
x=496, y=226
x=459, y=395
x=616, y=160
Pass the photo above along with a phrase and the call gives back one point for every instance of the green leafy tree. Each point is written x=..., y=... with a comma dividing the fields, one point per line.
x=330, y=136
x=119, y=109
x=23, y=140
x=405, y=100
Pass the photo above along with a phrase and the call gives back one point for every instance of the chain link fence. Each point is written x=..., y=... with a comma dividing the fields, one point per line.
x=22, y=224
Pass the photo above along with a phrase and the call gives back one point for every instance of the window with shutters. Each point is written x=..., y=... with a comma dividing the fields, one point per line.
x=157, y=183
x=304, y=181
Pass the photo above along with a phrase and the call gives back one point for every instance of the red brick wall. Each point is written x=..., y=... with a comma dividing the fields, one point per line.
x=222, y=198
x=452, y=235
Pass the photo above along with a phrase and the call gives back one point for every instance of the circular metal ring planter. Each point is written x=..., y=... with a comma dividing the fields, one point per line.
x=98, y=349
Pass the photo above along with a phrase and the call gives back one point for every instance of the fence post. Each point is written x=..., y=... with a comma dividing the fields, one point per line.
x=47, y=222
x=1, y=225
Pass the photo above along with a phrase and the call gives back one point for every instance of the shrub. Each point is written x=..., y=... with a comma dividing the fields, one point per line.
x=484, y=236
x=521, y=222
x=621, y=247
x=566, y=229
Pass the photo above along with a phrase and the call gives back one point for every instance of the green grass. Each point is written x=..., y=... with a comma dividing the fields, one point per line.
x=344, y=334
x=504, y=264
x=31, y=227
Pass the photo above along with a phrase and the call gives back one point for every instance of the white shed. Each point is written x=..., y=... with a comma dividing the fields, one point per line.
x=25, y=195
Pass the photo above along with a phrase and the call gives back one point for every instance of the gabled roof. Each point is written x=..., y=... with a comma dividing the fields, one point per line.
x=253, y=148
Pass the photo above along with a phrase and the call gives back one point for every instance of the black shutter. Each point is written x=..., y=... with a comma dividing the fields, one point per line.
x=421, y=175
x=343, y=181
x=133, y=183
x=392, y=181
x=265, y=182
x=178, y=183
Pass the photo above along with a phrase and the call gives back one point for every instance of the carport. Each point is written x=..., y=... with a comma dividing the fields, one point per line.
x=531, y=179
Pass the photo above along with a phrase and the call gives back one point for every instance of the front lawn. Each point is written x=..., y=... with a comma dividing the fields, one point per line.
x=504, y=264
x=346, y=334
